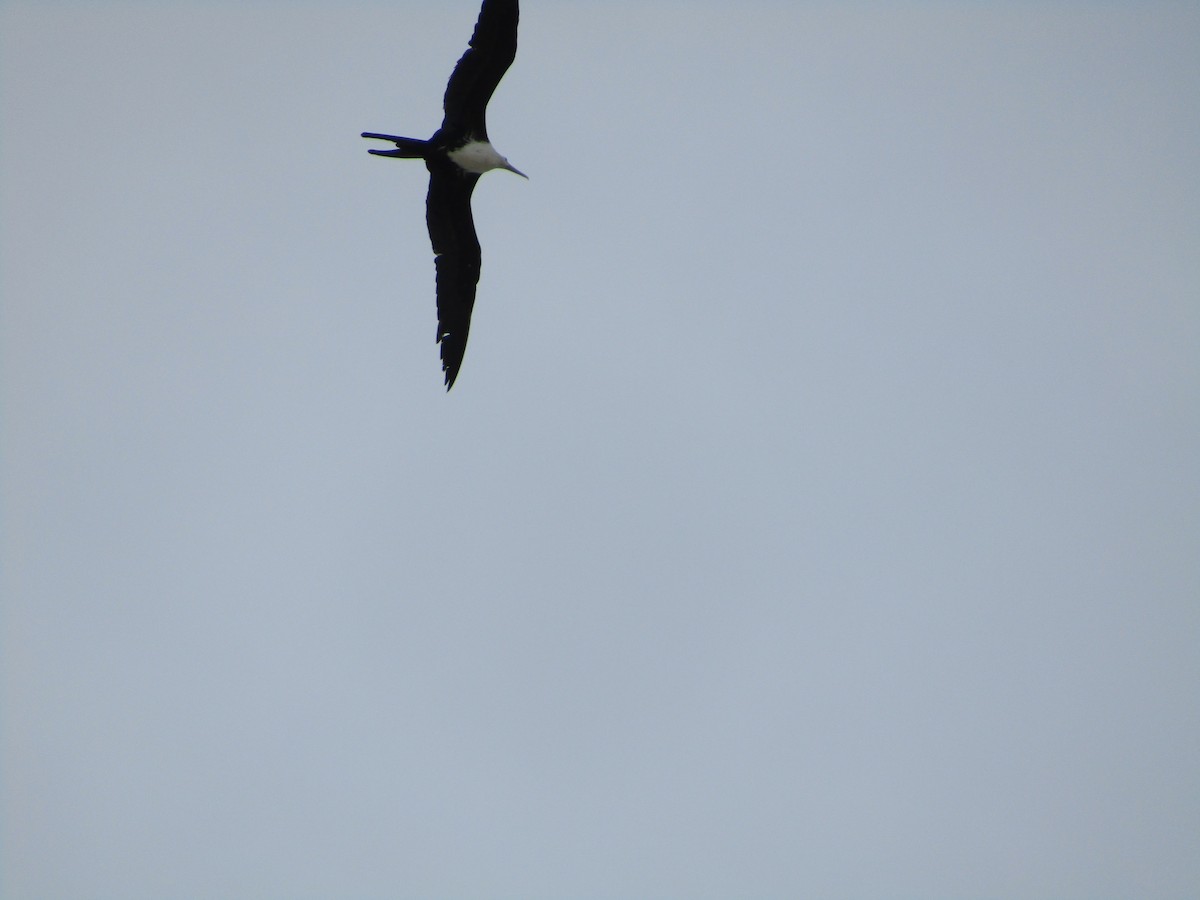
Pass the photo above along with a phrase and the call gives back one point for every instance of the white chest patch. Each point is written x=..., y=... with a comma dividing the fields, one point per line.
x=478, y=157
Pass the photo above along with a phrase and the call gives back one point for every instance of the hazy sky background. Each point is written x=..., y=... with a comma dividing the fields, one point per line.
x=817, y=512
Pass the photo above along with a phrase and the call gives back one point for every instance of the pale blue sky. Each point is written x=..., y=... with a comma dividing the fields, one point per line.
x=817, y=512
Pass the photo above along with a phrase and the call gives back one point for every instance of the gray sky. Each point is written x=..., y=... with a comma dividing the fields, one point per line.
x=817, y=512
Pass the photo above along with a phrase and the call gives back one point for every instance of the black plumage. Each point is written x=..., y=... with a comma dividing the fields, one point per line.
x=456, y=155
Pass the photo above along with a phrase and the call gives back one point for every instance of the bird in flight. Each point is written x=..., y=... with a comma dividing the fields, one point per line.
x=457, y=154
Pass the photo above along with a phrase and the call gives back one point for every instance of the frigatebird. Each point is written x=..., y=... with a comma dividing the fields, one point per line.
x=457, y=154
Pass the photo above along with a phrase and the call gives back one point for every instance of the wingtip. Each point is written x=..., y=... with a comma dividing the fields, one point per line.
x=452, y=357
x=451, y=374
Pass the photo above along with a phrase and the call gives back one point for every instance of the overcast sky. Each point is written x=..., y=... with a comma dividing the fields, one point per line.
x=816, y=514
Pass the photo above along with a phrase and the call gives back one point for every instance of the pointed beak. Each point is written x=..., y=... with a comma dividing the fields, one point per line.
x=396, y=152
x=512, y=168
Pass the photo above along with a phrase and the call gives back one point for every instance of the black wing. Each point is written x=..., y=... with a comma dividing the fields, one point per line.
x=456, y=255
x=492, y=50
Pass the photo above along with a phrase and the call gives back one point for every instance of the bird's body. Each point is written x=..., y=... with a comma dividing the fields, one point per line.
x=457, y=154
x=477, y=157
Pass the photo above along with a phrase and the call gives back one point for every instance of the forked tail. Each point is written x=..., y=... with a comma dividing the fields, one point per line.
x=406, y=148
